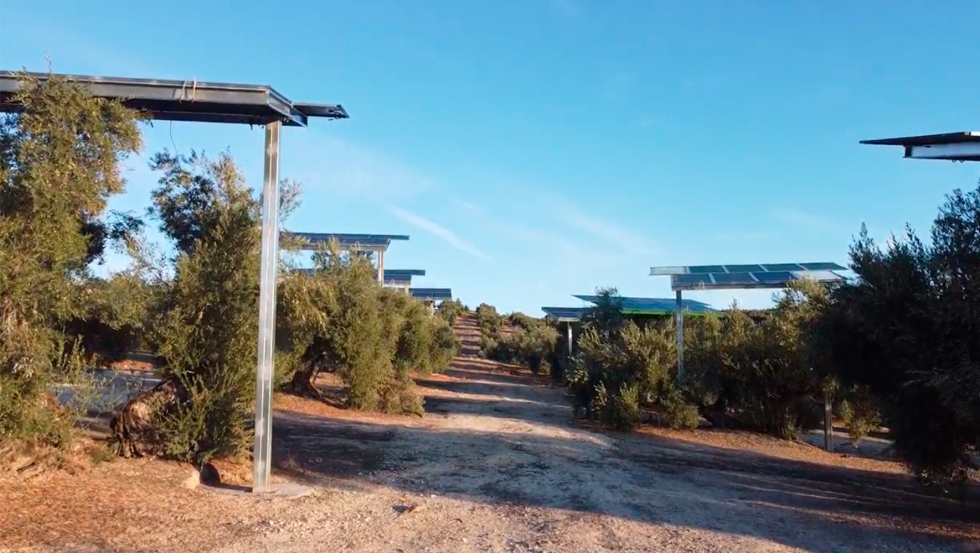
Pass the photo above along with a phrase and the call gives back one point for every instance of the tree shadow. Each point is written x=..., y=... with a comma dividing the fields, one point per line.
x=646, y=479
x=537, y=412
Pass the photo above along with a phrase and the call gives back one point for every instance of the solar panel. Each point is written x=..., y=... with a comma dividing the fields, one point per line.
x=770, y=267
x=350, y=241
x=690, y=281
x=398, y=280
x=823, y=267
x=819, y=276
x=705, y=269
x=404, y=272
x=748, y=281
x=641, y=306
x=563, y=314
x=744, y=268
x=775, y=277
x=433, y=294
x=733, y=278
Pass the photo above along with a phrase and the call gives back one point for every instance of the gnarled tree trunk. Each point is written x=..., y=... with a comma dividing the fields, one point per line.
x=132, y=427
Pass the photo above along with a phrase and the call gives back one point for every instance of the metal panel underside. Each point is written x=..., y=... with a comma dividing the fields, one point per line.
x=170, y=100
x=927, y=139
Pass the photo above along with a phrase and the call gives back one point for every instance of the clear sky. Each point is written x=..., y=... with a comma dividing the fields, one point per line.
x=535, y=149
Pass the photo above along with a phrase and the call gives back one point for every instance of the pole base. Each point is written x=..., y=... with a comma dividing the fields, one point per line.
x=285, y=490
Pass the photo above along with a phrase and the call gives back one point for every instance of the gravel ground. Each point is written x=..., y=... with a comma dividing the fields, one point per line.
x=498, y=465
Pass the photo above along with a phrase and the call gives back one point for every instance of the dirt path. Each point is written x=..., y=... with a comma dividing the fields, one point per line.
x=498, y=465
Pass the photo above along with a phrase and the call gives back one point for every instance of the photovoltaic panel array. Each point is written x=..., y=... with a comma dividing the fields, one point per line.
x=432, y=294
x=402, y=277
x=747, y=275
x=654, y=306
x=746, y=268
x=398, y=280
x=565, y=314
x=405, y=272
x=745, y=281
x=167, y=100
x=350, y=241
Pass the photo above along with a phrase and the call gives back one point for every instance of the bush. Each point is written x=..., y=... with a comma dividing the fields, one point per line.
x=427, y=344
x=450, y=310
x=622, y=367
x=489, y=321
x=206, y=334
x=621, y=410
x=860, y=414
x=338, y=320
x=907, y=329
x=443, y=347
x=767, y=367
x=678, y=413
x=531, y=345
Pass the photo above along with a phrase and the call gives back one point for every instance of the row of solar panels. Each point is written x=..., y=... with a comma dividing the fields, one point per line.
x=394, y=277
x=403, y=277
x=348, y=241
x=748, y=276
x=628, y=306
x=746, y=281
x=746, y=268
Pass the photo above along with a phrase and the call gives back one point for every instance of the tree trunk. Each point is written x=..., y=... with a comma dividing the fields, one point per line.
x=132, y=428
x=302, y=382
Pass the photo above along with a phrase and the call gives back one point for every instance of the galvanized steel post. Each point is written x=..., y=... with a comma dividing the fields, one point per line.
x=262, y=451
x=680, y=337
x=569, y=323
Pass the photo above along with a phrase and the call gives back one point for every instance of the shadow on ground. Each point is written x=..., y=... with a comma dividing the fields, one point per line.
x=661, y=481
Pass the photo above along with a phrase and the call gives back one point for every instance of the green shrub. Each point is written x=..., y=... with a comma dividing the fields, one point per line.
x=207, y=331
x=531, y=345
x=622, y=410
x=450, y=310
x=767, y=371
x=907, y=329
x=860, y=414
x=443, y=347
x=488, y=320
x=622, y=367
x=339, y=320
x=678, y=413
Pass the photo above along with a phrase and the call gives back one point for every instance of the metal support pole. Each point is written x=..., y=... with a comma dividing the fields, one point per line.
x=569, y=323
x=680, y=337
x=828, y=422
x=262, y=452
x=381, y=268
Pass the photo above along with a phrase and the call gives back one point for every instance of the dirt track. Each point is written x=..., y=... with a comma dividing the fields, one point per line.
x=498, y=465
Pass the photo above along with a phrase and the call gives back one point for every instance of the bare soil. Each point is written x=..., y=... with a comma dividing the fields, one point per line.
x=497, y=464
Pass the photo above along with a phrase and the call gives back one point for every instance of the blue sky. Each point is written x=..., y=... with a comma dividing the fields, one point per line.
x=540, y=148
